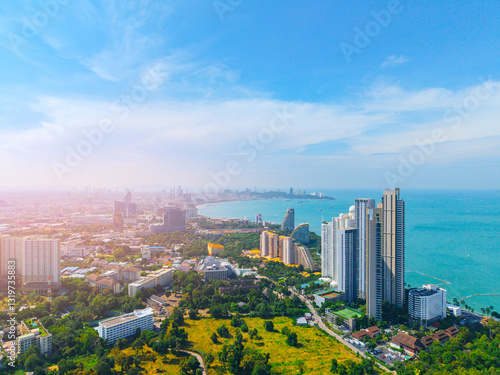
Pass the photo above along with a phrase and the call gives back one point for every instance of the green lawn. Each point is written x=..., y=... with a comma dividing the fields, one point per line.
x=314, y=352
x=348, y=313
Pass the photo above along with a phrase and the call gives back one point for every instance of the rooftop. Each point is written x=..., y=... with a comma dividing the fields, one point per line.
x=126, y=318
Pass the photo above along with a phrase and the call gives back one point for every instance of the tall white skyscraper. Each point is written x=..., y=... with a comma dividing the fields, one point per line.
x=10, y=249
x=41, y=261
x=38, y=261
x=361, y=206
x=328, y=252
x=330, y=245
x=393, y=247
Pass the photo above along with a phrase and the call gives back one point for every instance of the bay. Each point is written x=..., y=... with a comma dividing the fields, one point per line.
x=451, y=236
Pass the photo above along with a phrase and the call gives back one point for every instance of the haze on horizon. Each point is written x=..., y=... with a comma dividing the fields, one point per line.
x=327, y=95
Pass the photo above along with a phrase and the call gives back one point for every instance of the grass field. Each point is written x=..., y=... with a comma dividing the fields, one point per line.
x=154, y=363
x=348, y=313
x=314, y=352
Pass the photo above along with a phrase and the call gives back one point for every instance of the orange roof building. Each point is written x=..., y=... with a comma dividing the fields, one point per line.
x=214, y=249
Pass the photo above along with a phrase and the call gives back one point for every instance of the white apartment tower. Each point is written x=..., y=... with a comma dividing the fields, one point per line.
x=427, y=304
x=361, y=206
x=38, y=261
x=328, y=268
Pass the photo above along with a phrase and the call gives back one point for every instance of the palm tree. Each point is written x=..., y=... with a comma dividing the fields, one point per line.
x=455, y=301
x=487, y=310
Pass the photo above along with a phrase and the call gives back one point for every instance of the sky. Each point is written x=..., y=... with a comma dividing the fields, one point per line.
x=238, y=93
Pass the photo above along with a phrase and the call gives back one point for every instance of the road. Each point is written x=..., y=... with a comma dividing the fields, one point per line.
x=323, y=326
x=198, y=357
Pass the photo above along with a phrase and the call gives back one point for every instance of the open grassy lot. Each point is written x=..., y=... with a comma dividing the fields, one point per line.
x=314, y=351
x=154, y=363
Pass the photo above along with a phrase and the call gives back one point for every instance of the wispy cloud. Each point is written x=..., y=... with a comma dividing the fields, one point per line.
x=394, y=60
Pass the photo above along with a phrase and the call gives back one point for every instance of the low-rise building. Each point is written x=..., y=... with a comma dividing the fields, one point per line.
x=161, y=277
x=33, y=333
x=125, y=326
x=103, y=282
x=214, y=249
x=331, y=295
x=409, y=344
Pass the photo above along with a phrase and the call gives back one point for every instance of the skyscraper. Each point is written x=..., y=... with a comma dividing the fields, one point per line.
x=10, y=249
x=374, y=262
x=393, y=247
x=41, y=264
x=289, y=220
x=361, y=205
x=328, y=268
x=38, y=261
x=346, y=264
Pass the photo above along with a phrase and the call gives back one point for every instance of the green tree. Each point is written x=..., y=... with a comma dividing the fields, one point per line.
x=292, y=339
x=269, y=326
x=214, y=338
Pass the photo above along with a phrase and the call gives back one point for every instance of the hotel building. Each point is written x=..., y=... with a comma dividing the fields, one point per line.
x=125, y=326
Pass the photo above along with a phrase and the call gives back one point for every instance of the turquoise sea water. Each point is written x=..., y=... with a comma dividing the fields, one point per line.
x=450, y=235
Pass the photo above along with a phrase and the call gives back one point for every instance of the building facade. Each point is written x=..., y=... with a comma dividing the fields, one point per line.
x=126, y=325
x=346, y=263
x=361, y=206
x=374, y=263
x=393, y=247
x=301, y=233
x=427, y=304
x=289, y=220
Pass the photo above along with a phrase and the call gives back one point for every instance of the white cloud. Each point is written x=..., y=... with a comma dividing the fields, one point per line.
x=394, y=60
x=187, y=139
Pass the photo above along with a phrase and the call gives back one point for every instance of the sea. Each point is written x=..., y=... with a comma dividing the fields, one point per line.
x=452, y=237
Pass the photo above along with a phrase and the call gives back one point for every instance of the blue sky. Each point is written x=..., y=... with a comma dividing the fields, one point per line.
x=250, y=93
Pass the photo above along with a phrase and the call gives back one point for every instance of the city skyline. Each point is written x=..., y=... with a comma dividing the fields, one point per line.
x=181, y=93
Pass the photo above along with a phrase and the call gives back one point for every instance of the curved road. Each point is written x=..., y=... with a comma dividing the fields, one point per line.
x=198, y=357
x=331, y=333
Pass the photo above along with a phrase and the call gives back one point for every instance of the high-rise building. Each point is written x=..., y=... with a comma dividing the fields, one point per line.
x=374, y=262
x=328, y=255
x=329, y=244
x=258, y=219
x=393, y=247
x=10, y=250
x=346, y=263
x=301, y=233
x=174, y=220
x=361, y=205
x=304, y=258
x=38, y=261
x=427, y=304
x=288, y=250
x=269, y=244
x=264, y=244
x=41, y=264
x=289, y=220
